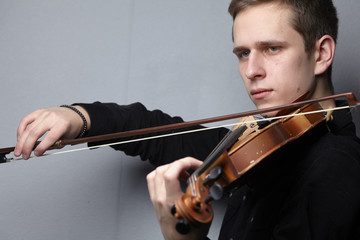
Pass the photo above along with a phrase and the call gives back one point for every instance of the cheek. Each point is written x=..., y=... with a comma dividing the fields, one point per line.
x=305, y=69
x=241, y=69
x=243, y=77
x=299, y=72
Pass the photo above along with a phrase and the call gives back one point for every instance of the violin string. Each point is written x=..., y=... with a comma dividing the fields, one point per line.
x=179, y=133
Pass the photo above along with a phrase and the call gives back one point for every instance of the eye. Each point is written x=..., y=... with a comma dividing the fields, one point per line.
x=243, y=54
x=273, y=49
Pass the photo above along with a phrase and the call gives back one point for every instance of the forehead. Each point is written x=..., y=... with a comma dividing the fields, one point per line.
x=263, y=22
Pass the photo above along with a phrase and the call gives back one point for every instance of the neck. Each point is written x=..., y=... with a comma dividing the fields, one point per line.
x=322, y=90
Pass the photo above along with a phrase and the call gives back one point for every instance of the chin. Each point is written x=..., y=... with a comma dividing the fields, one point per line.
x=267, y=105
x=264, y=105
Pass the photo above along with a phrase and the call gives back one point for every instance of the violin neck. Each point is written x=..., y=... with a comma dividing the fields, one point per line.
x=230, y=138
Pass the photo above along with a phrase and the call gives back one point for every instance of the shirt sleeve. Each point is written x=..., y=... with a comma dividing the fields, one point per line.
x=110, y=118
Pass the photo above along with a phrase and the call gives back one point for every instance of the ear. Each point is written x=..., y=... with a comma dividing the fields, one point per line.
x=324, y=54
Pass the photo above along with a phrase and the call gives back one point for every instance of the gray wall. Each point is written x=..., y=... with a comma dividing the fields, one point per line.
x=171, y=55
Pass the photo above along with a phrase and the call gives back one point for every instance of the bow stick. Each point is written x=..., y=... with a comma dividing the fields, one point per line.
x=158, y=129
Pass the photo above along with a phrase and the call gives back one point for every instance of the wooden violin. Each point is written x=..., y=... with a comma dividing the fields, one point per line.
x=241, y=150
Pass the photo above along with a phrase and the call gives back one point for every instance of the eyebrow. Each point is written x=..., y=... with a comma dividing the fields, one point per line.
x=261, y=44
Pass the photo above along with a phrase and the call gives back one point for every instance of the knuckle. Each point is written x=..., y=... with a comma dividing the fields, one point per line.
x=160, y=170
x=150, y=177
x=171, y=176
x=34, y=132
x=160, y=200
x=168, y=177
x=50, y=115
x=51, y=138
x=40, y=113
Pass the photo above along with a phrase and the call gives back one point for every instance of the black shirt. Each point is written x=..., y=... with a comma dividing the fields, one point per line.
x=309, y=189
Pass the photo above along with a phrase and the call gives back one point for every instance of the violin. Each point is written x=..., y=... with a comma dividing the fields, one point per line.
x=235, y=155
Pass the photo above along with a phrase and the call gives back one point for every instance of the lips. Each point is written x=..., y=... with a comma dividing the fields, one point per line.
x=260, y=93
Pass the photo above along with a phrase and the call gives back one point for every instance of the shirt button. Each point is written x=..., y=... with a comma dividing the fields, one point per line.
x=252, y=219
x=244, y=197
x=231, y=239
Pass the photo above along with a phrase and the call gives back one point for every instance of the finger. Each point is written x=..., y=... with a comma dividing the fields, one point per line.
x=159, y=184
x=185, y=175
x=38, y=124
x=156, y=186
x=21, y=135
x=29, y=139
x=182, y=166
x=25, y=121
x=50, y=139
x=175, y=171
x=150, y=182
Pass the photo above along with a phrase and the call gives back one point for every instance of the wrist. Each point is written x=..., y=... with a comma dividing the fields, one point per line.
x=85, y=119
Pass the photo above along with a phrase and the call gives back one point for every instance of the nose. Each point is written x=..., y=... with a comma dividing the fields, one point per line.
x=254, y=68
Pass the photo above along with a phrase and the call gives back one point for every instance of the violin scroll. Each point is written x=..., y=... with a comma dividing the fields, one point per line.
x=191, y=211
x=205, y=185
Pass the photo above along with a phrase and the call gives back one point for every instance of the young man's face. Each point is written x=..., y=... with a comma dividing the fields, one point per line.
x=272, y=60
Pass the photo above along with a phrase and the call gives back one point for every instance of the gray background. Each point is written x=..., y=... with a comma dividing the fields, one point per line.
x=172, y=55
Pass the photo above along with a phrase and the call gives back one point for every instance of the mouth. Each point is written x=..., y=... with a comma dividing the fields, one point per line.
x=260, y=93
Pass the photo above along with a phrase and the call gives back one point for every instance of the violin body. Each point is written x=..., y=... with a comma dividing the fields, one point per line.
x=204, y=185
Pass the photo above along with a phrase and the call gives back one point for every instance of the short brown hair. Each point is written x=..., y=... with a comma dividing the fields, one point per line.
x=312, y=19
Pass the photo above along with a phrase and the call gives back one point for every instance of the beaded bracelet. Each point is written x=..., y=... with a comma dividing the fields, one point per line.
x=82, y=117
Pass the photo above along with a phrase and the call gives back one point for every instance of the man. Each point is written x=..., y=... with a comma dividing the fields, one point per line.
x=306, y=190
x=285, y=49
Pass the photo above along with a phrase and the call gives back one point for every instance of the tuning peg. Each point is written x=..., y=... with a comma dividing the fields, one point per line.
x=182, y=227
x=214, y=175
x=216, y=193
x=173, y=210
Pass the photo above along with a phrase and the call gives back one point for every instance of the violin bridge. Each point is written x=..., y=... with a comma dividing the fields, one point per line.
x=251, y=123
